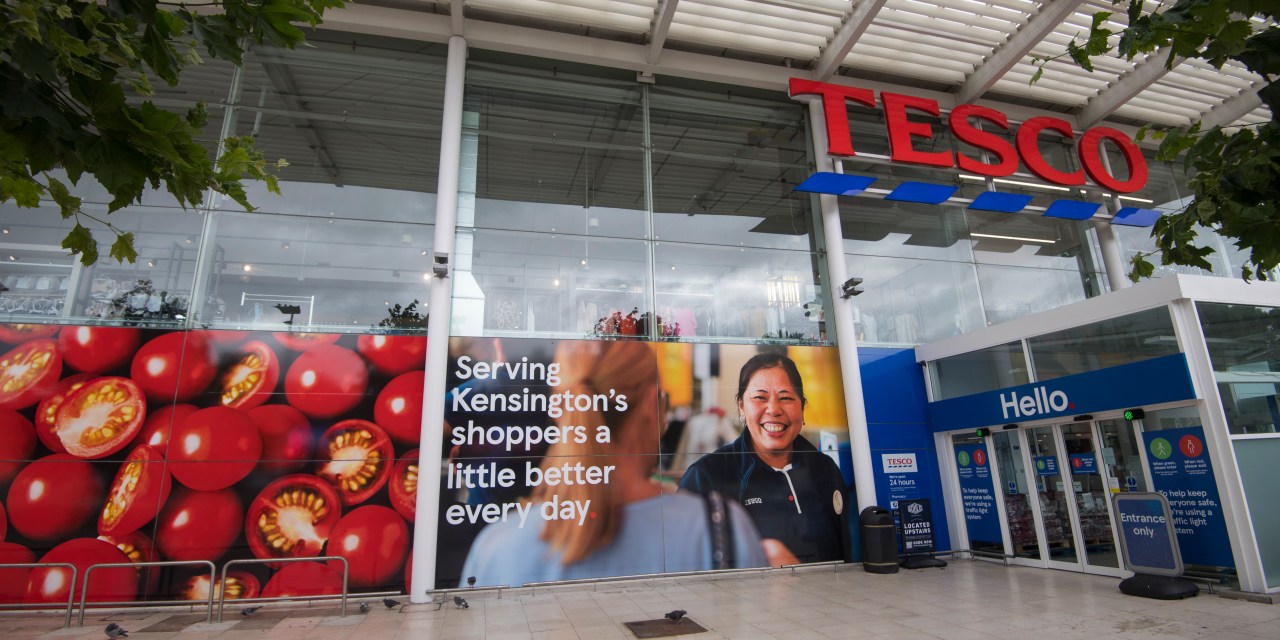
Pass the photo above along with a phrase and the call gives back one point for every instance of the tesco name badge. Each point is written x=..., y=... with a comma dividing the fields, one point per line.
x=899, y=462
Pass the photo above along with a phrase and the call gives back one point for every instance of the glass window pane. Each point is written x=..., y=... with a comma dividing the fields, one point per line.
x=515, y=283
x=979, y=371
x=1245, y=352
x=910, y=302
x=1259, y=474
x=342, y=274
x=737, y=293
x=1012, y=292
x=1109, y=343
x=725, y=165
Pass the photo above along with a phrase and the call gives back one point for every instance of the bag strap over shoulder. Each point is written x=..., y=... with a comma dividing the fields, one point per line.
x=719, y=530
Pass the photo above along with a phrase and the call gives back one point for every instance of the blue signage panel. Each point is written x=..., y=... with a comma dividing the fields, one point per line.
x=1182, y=472
x=977, y=493
x=1163, y=379
x=1146, y=534
x=1045, y=465
x=1082, y=463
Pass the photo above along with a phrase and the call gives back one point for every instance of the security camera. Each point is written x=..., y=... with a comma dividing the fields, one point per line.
x=850, y=288
x=441, y=265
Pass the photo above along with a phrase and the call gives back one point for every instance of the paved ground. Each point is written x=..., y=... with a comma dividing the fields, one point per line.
x=969, y=599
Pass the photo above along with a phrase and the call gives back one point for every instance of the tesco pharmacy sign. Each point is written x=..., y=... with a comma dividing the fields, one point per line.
x=1003, y=157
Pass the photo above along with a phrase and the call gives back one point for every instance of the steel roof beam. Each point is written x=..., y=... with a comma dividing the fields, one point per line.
x=1015, y=49
x=1125, y=88
x=1233, y=109
x=855, y=24
x=282, y=82
x=661, y=26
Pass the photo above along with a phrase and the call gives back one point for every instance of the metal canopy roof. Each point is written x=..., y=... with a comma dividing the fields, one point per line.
x=957, y=50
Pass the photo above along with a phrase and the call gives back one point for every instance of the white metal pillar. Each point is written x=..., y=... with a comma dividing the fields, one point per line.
x=425, y=531
x=842, y=309
x=1112, y=259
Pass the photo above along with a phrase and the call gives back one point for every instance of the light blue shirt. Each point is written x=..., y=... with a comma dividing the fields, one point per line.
x=665, y=534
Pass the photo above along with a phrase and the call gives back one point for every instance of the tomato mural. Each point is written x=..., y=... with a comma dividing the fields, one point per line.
x=124, y=444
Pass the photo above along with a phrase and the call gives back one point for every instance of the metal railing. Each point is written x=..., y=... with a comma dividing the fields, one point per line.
x=71, y=588
x=84, y=589
x=222, y=597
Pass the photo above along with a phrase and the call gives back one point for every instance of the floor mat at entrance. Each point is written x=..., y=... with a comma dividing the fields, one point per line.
x=664, y=628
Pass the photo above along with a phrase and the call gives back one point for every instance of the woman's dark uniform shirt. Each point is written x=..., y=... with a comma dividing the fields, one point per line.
x=816, y=531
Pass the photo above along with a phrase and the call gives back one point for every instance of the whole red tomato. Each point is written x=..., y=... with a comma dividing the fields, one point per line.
x=4, y=523
x=286, y=438
x=393, y=355
x=303, y=579
x=138, y=548
x=139, y=491
x=53, y=497
x=174, y=367
x=46, y=421
x=357, y=458
x=97, y=349
x=17, y=443
x=292, y=517
x=408, y=572
x=28, y=373
x=13, y=582
x=155, y=431
x=399, y=408
x=15, y=333
x=240, y=585
x=326, y=381
x=252, y=378
x=214, y=448
x=374, y=541
x=199, y=525
x=50, y=585
x=403, y=485
x=303, y=341
x=101, y=417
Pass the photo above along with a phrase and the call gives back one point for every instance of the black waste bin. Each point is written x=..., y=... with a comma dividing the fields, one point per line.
x=879, y=541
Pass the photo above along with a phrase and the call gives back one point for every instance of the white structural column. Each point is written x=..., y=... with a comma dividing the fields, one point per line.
x=1112, y=258
x=842, y=309
x=425, y=531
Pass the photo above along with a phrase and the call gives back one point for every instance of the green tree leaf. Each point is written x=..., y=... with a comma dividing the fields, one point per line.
x=80, y=241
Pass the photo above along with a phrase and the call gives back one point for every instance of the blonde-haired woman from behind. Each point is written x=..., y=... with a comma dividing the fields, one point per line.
x=627, y=525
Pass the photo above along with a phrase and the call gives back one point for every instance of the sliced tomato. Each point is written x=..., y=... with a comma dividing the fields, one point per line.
x=139, y=491
x=358, y=458
x=101, y=417
x=46, y=422
x=252, y=378
x=240, y=585
x=28, y=373
x=292, y=517
x=403, y=486
x=15, y=333
x=303, y=341
x=17, y=443
x=138, y=547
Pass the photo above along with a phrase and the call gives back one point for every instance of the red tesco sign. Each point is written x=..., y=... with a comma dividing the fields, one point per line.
x=1004, y=157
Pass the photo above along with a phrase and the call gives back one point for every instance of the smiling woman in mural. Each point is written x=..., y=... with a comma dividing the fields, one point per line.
x=623, y=523
x=793, y=492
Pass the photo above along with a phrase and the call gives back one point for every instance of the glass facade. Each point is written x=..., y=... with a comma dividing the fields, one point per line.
x=1244, y=347
x=1109, y=343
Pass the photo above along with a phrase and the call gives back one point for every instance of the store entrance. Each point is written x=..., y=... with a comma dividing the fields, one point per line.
x=1058, y=481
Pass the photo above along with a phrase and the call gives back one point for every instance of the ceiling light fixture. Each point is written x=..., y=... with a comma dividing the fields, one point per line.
x=996, y=236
